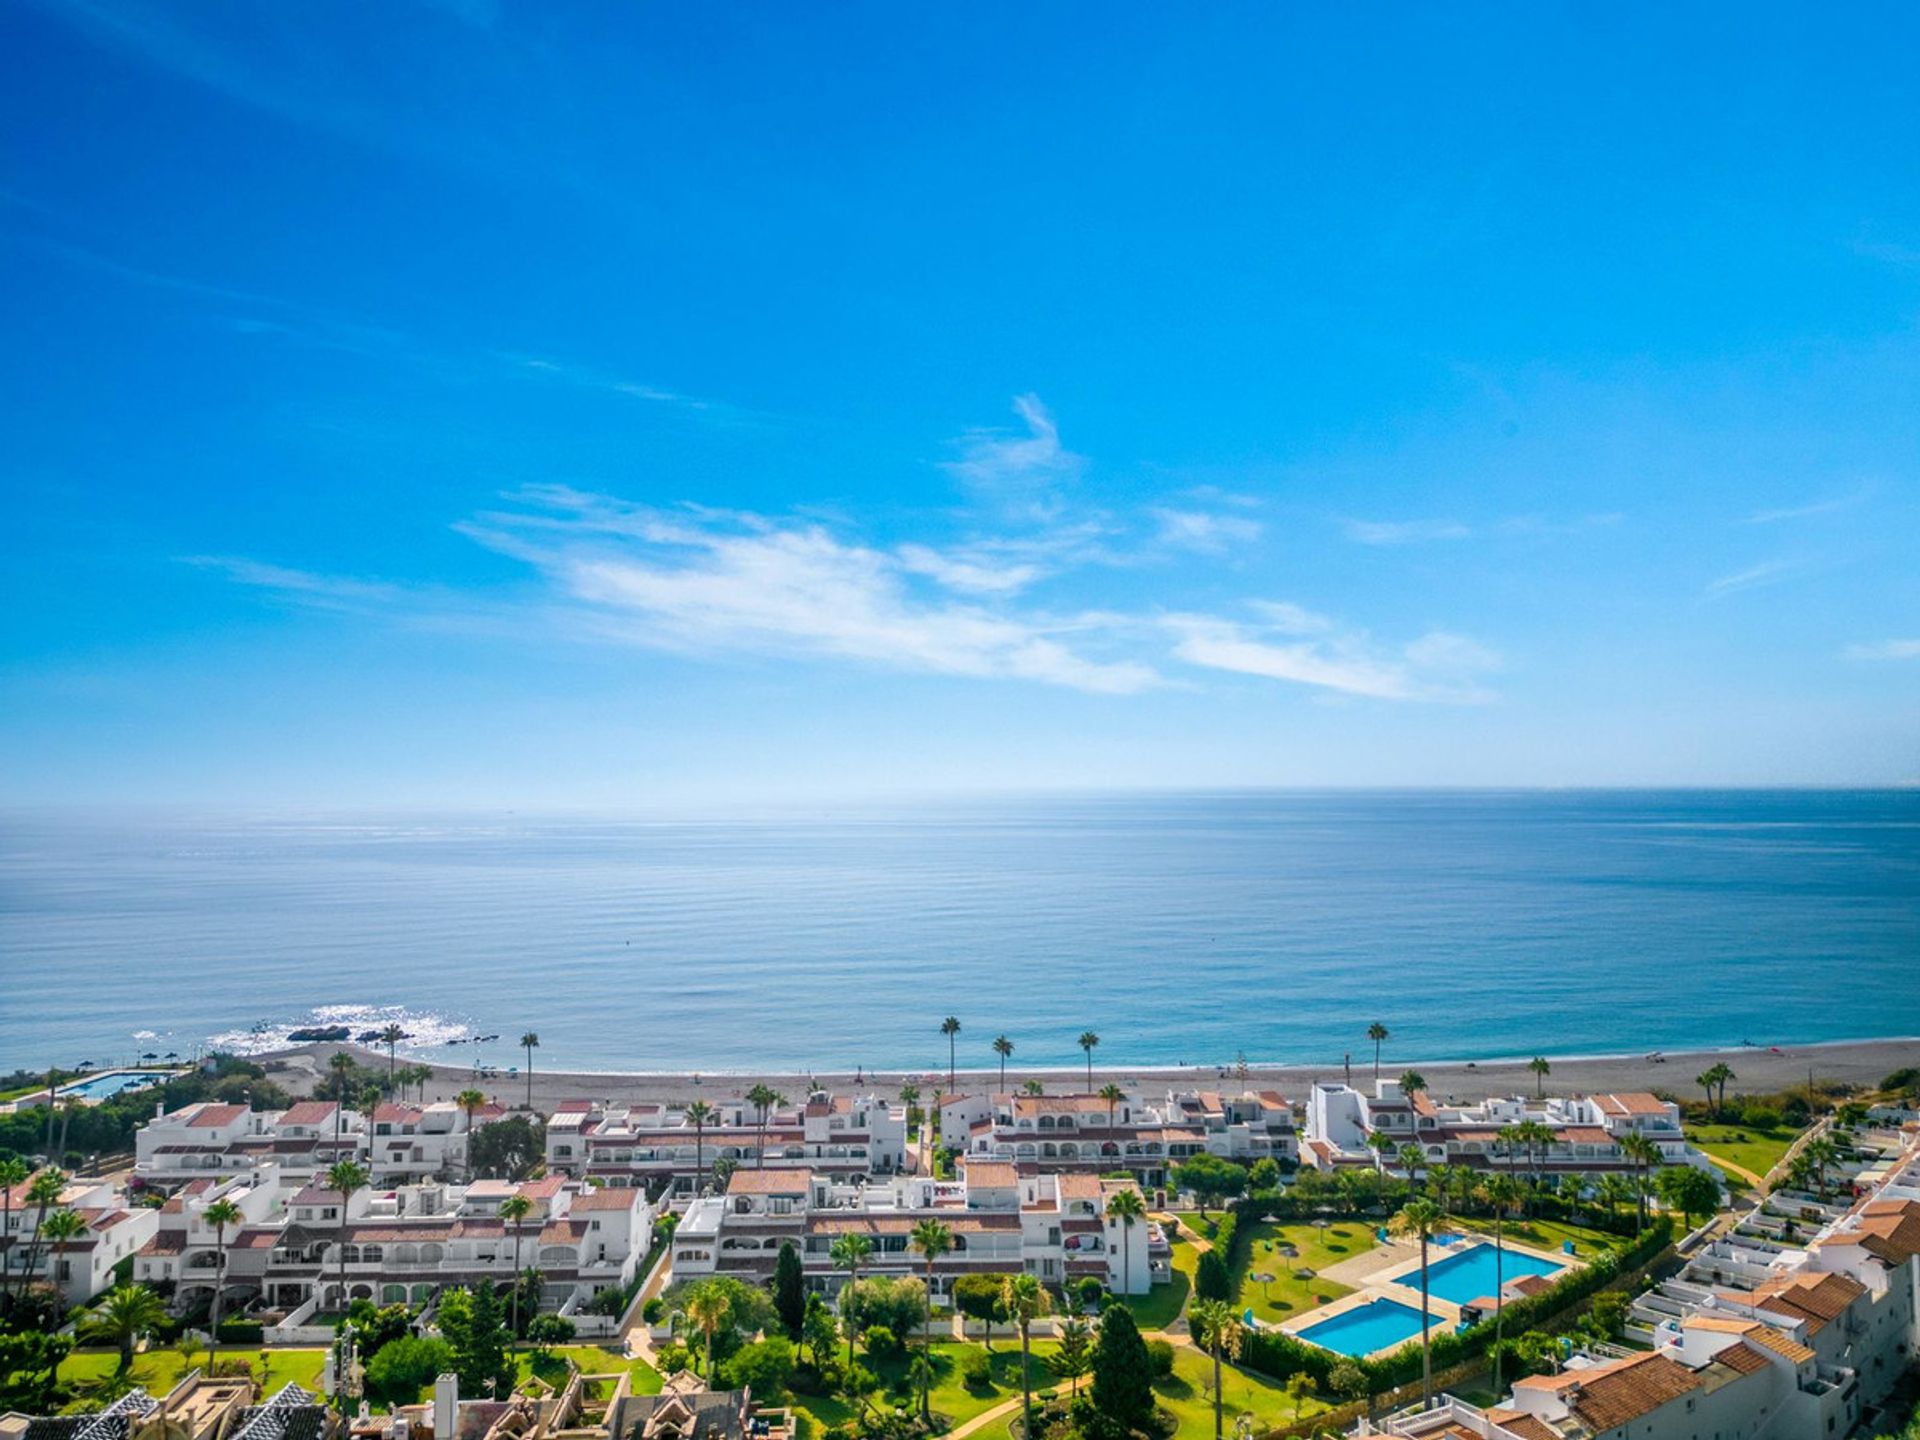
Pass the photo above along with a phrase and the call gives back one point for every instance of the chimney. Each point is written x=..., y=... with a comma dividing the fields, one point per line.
x=446, y=1407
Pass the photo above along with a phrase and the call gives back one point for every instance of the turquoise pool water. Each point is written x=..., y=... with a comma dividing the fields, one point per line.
x=1367, y=1328
x=1469, y=1274
x=99, y=1087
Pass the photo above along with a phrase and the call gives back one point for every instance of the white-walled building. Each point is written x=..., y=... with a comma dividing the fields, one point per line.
x=82, y=1266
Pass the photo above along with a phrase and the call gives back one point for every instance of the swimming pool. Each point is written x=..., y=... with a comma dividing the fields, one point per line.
x=1469, y=1274
x=116, y=1082
x=1366, y=1328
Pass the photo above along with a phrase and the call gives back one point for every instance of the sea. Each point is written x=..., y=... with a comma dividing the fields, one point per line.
x=1183, y=929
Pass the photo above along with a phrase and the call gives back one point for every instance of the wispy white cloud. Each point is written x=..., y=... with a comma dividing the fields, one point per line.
x=1754, y=577
x=1884, y=650
x=1297, y=645
x=328, y=591
x=1808, y=510
x=972, y=573
x=1018, y=469
x=1202, y=530
x=1405, y=532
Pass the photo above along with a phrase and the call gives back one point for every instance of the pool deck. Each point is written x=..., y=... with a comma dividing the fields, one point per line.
x=1394, y=1274
x=81, y=1090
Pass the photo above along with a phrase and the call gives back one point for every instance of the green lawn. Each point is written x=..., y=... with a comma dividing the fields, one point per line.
x=950, y=1396
x=1547, y=1234
x=1755, y=1150
x=1161, y=1305
x=159, y=1370
x=1287, y=1295
x=589, y=1360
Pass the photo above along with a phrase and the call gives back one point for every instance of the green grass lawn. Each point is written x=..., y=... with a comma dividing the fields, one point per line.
x=952, y=1398
x=1755, y=1150
x=1287, y=1295
x=159, y=1370
x=589, y=1360
x=1547, y=1234
x=1161, y=1305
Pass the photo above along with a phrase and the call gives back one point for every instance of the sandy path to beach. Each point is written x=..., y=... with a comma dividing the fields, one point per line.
x=1760, y=1070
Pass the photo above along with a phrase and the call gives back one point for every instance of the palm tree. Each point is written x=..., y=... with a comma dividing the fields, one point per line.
x=391, y=1037
x=530, y=1042
x=850, y=1252
x=1129, y=1208
x=469, y=1102
x=13, y=1174
x=700, y=1113
x=1705, y=1080
x=126, y=1314
x=1025, y=1301
x=931, y=1239
x=708, y=1308
x=1419, y=1219
x=1500, y=1192
x=1378, y=1034
x=59, y=1228
x=1087, y=1041
x=515, y=1208
x=1412, y=1158
x=950, y=1027
x=345, y=1176
x=1032, y=1087
x=1113, y=1095
x=910, y=1097
x=1820, y=1152
x=1218, y=1330
x=44, y=1193
x=1002, y=1047
x=1614, y=1191
x=1412, y=1082
x=1644, y=1154
x=762, y=1097
x=1541, y=1069
x=220, y=1214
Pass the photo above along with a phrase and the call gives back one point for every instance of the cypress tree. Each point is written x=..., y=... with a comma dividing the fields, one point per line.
x=789, y=1290
x=1211, y=1278
x=1122, y=1373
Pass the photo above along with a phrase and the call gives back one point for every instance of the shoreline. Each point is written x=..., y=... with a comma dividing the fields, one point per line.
x=1761, y=1069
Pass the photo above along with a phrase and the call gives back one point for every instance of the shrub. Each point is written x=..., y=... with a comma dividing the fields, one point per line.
x=1760, y=1117
x=546, y=1331
x=1091, y=1292
x=241, y=1332
x=976, y=1370
x=1211, y=1278
x=653, y=1310
x=766, y=1365
x=880, y=1341
x=404, y=1367
x=1160, y=1358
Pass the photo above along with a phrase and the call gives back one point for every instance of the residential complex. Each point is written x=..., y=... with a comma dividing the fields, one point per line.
x=1101, y=1133
x=1056, y=1227
x=80, y=1266
x=669, y=1150
x=1580, y=1135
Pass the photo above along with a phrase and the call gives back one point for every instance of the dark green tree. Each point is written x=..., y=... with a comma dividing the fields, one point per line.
x=789, y=1290
x=480, y=1346
x=1122, y=1373
x=1211, y=1278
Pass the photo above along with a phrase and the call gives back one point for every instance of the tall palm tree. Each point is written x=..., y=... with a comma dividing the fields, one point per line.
x=910, y=1097
x=469, y=1102
x=1113, y=1095
x=13, y=1174
x=59, y=1229
x=1218, y=1330
x=220, y=1214
x=530, y=1042
x=1644, y=1154
x=1820, y=1152
x=1419, y=1220
x=1412, y=1160
x=44, y=1193
x=391, y=1037
x=708, y=1308
x=1025, y=1301
x=1129, y=1209
x=347, y=1177
x=930, y=1239
x=1087, y=1041
x=1500, y=1192
x=515, y=1208
x=1541, y=1069
x=1378, y=1034
x=762, y=1098
x=1412, y=1082
x=1614, y=1190
x=1705, y=1080
x=1002, y=1047
x=126, y=1314
x=850, y=1252
x=950, y=1027
x=701, y=1114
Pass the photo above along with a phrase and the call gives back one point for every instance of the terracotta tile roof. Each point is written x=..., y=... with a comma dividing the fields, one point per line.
x=1632, y=1102
x=770, y=1182
x=1079, y=1187
x=563, y=1232
x=1585, y=1135
x=1608, y=1396
x=543, y=1189
x=990, y=1174
x=1527, y=1427
x=1060, y=1105
x=1888, y=1230
x=1817, y=1299
x=308, y=1112
x=390, y=1113
x=1753, y=1331
x=166, y=1242
x=1743, y=1358
x=210, y=1116
x=604, y=1200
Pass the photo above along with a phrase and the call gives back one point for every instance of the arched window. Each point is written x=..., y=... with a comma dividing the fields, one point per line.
x=393, y=1294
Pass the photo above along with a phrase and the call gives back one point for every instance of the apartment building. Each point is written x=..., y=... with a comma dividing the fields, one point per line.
x=80, y=1266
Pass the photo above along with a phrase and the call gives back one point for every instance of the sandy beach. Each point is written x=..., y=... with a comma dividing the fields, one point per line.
x=1760, y=1069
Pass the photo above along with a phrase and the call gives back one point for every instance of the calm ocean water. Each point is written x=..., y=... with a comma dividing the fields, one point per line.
x=1184, y=929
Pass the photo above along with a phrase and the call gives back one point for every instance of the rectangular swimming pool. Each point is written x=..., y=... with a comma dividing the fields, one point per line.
x=99, y=1087
x=1366, y=1328
x=1468, y=1275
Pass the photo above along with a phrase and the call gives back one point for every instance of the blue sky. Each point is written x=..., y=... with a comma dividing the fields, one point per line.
x=494, y=403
